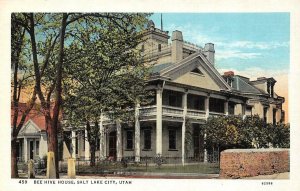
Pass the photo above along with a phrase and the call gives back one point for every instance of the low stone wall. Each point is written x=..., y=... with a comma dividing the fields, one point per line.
x=236, y=163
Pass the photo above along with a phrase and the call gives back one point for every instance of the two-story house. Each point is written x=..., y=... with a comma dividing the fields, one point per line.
x=187, y=86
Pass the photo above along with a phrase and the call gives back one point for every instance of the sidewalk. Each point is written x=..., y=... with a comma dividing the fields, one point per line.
x=281, y=176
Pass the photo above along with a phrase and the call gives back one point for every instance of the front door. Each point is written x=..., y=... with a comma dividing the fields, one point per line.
x=112, y=145
x=198, y=144
x=31, y=149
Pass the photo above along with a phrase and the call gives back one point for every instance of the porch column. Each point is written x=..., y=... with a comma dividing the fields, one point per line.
x=74, y=144
x=244, y=110
x=184, y=104
x=206, y=105
x=102, y=139
x=205, y=150
x=25, y=149
x=137, y=135
x=119, y=140
x=159, y=121
x=226, y=107
x=86, y=146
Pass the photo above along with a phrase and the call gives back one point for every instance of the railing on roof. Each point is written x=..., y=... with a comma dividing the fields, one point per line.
x=189, y=45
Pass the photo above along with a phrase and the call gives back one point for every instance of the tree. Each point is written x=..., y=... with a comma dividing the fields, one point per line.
x=110, y=77
x=233, y=132
x=222, y=132
x=22, y=78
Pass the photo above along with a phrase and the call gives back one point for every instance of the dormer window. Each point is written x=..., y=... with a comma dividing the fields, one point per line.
x=197, y=71
x=270, y=89
x=229, y=81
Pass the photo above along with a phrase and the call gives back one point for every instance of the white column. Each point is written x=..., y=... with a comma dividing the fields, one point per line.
x=206, y=105
x=119, y=140
x=244, y=110
x=184, y=105
x=73, y=151
x=137, y=135
x=102, y=139
x=159, y=121
x=25, y=149
x=86, y=146
x=205, y=150
x=226, y=107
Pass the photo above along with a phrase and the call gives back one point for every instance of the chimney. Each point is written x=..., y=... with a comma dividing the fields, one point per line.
x=261, y=78
x=209, y=51
x=229, y=73
x=177, y=46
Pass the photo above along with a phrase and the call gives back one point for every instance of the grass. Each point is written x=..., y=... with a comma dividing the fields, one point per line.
x=202, y=168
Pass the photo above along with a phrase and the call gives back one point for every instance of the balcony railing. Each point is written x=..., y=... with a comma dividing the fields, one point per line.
x=173, y=111
x=196, y=113
x=216, y=114
x=148, y=111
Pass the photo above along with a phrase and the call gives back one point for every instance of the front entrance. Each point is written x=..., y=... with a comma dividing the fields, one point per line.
x=31, y=149
x=112, y=145
x=198, y=143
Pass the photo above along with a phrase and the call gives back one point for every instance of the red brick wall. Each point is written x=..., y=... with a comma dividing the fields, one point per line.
x=236, y=163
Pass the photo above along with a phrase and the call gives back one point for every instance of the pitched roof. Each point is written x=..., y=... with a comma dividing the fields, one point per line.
x=242, y=84
x=36, y=116
x=171, y=70
x=156, y=69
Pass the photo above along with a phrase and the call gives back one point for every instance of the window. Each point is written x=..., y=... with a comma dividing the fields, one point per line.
x=195, y=102
x=216, y=105
x=172, y=98
x=147, y=139
x=274, y=116
x=83, y=138
x=97, y=144
x=172, y=139
x=76, y=143
x=248, y=110
x=159, y=47
x=129, y=139
x=231, y=108
x=37, y=147
x=265, y=114
x=197, y=71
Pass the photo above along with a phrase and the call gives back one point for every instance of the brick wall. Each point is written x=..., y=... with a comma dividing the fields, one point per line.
x=236, y=163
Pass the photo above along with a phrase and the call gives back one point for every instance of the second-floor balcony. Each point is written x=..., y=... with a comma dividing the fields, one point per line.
x=170, y=111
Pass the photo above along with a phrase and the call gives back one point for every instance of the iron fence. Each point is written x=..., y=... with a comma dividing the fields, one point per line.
x=201, y=164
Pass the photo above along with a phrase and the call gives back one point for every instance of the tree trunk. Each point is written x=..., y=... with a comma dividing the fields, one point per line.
x=14, y=164
x=52, y=141
x=93, y=151
x=58, y=98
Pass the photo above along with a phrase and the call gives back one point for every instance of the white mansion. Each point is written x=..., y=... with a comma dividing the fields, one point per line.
x=187, y=86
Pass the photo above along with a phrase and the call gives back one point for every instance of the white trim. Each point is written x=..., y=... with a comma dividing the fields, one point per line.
x=26, y=125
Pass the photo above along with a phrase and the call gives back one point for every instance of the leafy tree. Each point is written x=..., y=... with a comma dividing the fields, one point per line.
x=233, y=132
x=21, y=79
x=110, y=77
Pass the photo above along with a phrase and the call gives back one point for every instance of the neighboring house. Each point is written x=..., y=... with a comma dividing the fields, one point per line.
x=32, y=138
x=187, y=86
